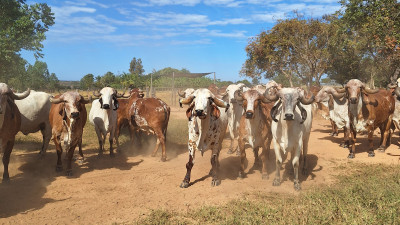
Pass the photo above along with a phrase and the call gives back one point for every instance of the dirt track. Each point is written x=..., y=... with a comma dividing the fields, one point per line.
x=127, y=187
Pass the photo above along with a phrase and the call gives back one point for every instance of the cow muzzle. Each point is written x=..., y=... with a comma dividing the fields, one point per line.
x=200, y=113
x=353, y=100
x=289, y=116
x=249, y=115
x=75, y=115
x=106, y=106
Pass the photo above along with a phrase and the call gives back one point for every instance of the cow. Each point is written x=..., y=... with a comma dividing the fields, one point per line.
x=186, y=92
x=396, y=114
x=103, y=115
x=368, y=110
x=338, y=111
x=291, y=126
x=254, y=127
x=234, y=113
x=67, y=118
x=123, y=117
x=35, y=111
x=151, y=115
x=207, y=125
x=10, y=122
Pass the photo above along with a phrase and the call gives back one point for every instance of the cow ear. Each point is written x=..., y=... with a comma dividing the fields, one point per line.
x=189, y=112
x=364, y=97
x=215, y=111
x=116, y=104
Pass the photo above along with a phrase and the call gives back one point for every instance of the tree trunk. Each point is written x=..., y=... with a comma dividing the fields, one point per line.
x=393, y=78
x=290, y=81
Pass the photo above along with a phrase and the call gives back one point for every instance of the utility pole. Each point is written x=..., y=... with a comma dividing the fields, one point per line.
x=214, y=77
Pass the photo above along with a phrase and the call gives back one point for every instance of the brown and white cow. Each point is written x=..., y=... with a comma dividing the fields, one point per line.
x=207, y=125
x=68, y=116
x=255, y=127
x=10, y=122
x=368, y=110
x=151, y=115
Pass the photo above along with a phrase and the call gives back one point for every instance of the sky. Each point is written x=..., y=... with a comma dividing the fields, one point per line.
x=97, y=36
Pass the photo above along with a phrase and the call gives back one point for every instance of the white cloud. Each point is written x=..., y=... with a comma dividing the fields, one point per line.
x=235, y=21
x=174, y=2
x=66, y=11
x=191, y=42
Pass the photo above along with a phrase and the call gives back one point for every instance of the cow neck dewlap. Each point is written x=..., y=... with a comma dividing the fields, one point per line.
x=69, y=127
x=358, y=120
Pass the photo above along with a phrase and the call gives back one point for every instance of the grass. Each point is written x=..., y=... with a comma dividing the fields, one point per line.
x=370, y=195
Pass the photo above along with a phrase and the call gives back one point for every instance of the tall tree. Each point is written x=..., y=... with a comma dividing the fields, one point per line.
x=87, y=81
x=136, y=67
x=22, y=26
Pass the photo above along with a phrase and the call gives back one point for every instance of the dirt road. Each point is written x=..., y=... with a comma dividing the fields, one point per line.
x=122, y=189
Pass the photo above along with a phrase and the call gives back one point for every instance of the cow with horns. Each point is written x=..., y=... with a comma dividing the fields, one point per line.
x=103, y=115
x=254, y=127
x=207, y=125
x=338, y=111
x=67, y=118
x=291, y=126
x=368, y=110
x=186, y=92
x=10, y=122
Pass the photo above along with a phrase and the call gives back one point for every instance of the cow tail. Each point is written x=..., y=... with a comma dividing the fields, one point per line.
x=166, y=114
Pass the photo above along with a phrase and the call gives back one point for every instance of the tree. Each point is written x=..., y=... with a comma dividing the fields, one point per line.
x=136, y=67
x=23, y=26
x=294, y=47
x=87, y=82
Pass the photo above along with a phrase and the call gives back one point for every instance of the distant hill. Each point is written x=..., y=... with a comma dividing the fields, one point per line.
x=69, y=84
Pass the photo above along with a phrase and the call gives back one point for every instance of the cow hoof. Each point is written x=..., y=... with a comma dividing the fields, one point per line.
x=215, y=182
x=371, y=154
x=241, y=174
x=297, y=186
x=230, y=151
x=80, y=161
x=335, y=134
x=381, y=149
x=276, y=182
x=69, y=173
x=153, y=155
x=343, y=145
x=163, y=159
x=257, y=164
x=59, y=168
x=265, y=176
x=184, y=184
x=351, y=156
x=6, y=180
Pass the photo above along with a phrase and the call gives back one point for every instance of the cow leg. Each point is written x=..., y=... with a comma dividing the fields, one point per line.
x=117, y=131
x=305, y=150
x=278, y=162
x=371, y=152
x=256, y=158
x=110, y=139
x=59, y=150
x=7, y=148
x=264, y=159
x=45, y=129
x=295, y=163
x=215, y=168
x=100, y=139
x=352, y=142
x=385, y=135
x=232, y=136
x=242, y=149
x=345, y=144
x=70, y=156
x=189, y=166
x=80, y=161
x=131, y=133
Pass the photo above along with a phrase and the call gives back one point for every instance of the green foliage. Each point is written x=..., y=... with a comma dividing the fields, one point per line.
x=368, y=196
x=23, y=26
x=87, y=82
x=136, y=67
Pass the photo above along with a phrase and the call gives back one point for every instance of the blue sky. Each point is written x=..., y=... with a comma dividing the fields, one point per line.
x=96, y=36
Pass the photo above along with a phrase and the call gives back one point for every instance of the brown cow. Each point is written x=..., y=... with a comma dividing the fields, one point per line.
x=151, y=115
x=67, y=118
x=123, y=113
x=10, y=122
x=255, y=127
x=368, y=110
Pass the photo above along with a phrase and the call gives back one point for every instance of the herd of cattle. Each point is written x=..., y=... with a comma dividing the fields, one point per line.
x=254, y=116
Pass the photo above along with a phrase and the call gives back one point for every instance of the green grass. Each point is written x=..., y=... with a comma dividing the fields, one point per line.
x=370, y=195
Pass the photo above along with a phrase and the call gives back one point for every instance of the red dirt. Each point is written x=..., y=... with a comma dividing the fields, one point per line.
x=129, y=186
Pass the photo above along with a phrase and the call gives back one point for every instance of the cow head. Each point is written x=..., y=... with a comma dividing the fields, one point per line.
x=72, y=104
x=6, y=94
x=108, y=98
x=355, y=90
x=186, y=92
x=289, y=98
x=229, y=94
x=202, y=103
x=251, y=100
x=323, y=94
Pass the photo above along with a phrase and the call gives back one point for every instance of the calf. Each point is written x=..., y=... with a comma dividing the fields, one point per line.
x=292, y=116
x=35, y=111
x=103, y=116
x=67, y=118
x=368, y=110
x=207, y=125
x=254, y=128
x=10, y=122
x=151, y=115
x=338, y=111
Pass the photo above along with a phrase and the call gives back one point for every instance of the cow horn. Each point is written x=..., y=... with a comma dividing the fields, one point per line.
x=122, y=95
x=86, y=101
x=96, y=95
x=269, y=97
x=238, y=95
x=397, y=91
x=307, y=101
x=20, y=95
x=56, y=100
x=335, y=94
x=187, y=100
x=181, y=94
x=220, y=103
x=371, y=91
x=391, y=85
x=340, y=90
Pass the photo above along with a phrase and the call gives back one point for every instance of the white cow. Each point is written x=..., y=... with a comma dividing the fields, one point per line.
x=234, y=113
x=207, y=125
x=186, y=92
x=35, y=111
x=103, y=116
x=292, y=116
x=396, y=114
x=338, y=111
